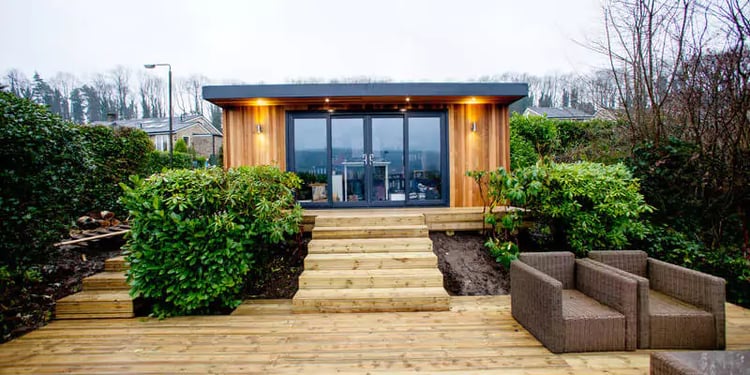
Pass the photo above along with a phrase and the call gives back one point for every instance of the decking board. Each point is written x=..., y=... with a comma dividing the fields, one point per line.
x=477, y=336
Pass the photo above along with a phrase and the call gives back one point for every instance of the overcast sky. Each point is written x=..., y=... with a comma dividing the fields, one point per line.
x=274, y=41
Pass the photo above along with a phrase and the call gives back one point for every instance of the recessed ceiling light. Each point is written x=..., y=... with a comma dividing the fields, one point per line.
x=328, y=100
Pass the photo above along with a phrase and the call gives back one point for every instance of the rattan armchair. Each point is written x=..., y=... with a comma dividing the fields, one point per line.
x=679, y=308
x=573, y=305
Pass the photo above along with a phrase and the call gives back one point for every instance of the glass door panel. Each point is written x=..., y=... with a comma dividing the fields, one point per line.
x=386, y=159
x=310, y=161
x=348, y=160
x=425, y=150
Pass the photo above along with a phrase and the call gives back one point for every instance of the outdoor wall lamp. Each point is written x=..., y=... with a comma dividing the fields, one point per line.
x=473, y=126
x=259, y=128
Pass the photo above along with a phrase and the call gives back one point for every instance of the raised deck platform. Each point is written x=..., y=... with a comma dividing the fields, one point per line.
x=477, y=336
x=436, y=218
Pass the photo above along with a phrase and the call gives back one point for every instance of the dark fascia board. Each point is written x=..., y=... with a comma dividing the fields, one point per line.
x=333, y=90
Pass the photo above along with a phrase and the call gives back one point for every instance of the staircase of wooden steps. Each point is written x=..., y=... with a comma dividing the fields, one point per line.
x=104, y=295
x=373, y=263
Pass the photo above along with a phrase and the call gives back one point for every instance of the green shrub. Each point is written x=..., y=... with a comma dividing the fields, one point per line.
x=522, y=152
x=584, y=205
x=196, y=234
x=43, y=166
x=158, y=161
x=587, y=205
x=116, y=155
x=539, y=131
x=181, y=146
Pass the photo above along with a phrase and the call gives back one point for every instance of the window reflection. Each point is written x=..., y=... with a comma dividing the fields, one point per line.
x=424, y=159
x=310, y=156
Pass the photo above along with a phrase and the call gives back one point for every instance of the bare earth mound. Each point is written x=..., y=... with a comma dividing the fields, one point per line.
x=468, y=269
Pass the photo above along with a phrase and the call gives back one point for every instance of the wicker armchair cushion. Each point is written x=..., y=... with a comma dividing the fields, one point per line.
x=583, y=316
x=669, y=318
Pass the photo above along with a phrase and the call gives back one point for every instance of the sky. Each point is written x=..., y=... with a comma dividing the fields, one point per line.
x=275, y=41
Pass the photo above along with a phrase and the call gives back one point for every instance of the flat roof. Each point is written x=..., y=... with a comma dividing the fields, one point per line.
x=367, y=92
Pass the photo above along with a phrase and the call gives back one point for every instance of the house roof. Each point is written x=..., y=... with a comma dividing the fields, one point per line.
x=559, y=113
x=364, y=92
x=160, y=125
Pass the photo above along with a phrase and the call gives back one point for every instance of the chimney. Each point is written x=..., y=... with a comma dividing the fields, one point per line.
x=111, y=117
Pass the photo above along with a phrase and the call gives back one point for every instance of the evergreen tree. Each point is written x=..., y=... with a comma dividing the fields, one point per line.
x=41, y=92
x=93, y=104
x=76, y=103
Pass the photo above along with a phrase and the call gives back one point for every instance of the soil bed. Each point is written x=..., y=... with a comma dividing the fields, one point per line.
x=279, y=278
x=467, y=267
x=31, y=306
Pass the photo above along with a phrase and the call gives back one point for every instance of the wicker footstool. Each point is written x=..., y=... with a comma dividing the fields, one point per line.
x=701, y=362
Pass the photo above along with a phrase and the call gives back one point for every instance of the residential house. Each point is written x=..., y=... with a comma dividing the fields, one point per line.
x=195, y=130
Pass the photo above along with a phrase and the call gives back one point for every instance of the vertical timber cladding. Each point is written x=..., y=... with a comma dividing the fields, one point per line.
x=243, y=145
x=486, y=149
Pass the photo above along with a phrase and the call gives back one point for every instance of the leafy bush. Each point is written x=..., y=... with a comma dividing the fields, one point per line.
x=698, y=217
x=565, y=140
x=181, y=146
x=502, y=188
x=116, y=155
x=159, y=161
x=43, y=165
x=196, y=234
x=539, y=131
x=522, y=152
x=585, y=206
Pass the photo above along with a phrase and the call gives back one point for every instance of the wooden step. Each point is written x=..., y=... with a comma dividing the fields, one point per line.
x=371, y=300
x=370, y=245
x=95, y=304
x=116, y=264
x=369, y=220
x=393, y=231
x=106, y=281
x=383, y=278
x=370, y=261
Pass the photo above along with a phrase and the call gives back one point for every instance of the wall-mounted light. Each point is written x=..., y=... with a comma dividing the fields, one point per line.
x=259, y=128
x=474, y=127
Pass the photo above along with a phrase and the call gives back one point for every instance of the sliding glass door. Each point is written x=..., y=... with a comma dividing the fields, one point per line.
x=369, y=159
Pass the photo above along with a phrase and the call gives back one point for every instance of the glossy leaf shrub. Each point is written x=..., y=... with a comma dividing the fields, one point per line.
x=583, y=206
x=43, y=165
x=586, y=205
x=196, y=234
x=116, y=154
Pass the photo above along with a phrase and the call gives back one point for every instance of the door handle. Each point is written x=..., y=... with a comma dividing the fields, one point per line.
x=372, y=157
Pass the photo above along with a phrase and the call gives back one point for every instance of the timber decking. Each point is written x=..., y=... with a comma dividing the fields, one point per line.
x=477, y=336
x=436, y=218
x=104, y=295
x=366, y=263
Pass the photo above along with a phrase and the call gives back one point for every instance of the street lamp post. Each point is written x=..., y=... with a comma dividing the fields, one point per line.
x=152, y=66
